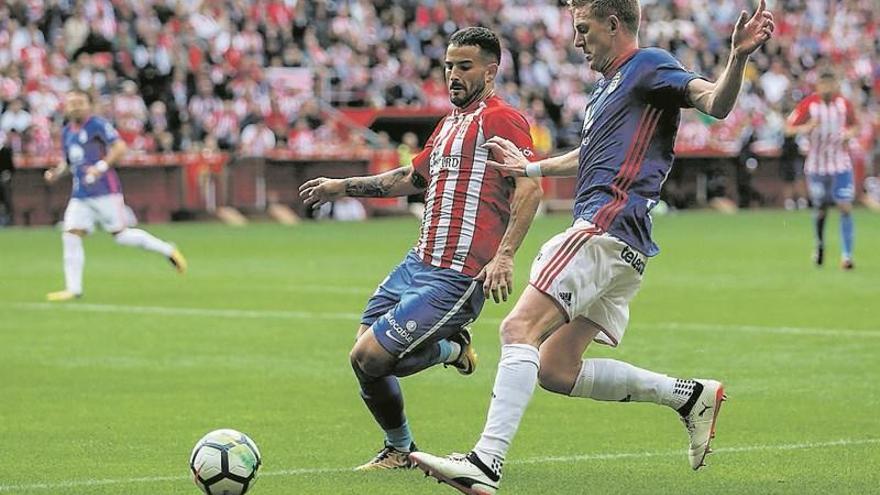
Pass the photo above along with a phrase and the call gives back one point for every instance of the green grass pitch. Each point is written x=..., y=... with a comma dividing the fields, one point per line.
x=108, y=394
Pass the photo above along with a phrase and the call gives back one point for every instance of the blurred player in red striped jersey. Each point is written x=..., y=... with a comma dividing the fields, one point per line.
x=828, y=120
x=475, y=218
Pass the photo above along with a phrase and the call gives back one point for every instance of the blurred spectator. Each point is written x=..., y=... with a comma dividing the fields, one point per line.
x=158, y=120
x=6, y=170
x=15, y=118
x=163, y=142
x=301, y=138
x=129, y=109
x=542, y=128
x=792, y=171
x=257, y=139
x=222, y=124
x=193, y=56
x=775, y=82
x=276, y=120
x=407, y=149
x=76, y=30
x=405, y=152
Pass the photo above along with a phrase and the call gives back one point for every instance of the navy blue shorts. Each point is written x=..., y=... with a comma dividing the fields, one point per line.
x=418, y=304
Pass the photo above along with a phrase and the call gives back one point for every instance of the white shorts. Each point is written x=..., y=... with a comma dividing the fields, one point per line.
x=109, y=211
x=590, y=274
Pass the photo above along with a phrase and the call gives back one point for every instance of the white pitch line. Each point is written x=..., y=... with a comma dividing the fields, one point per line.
x=531, y=460
x=258, y=314
x=821, y=332
x=311, y=315
x=328, y=289
x=726, y=450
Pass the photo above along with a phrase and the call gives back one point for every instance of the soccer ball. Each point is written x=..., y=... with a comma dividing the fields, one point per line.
x=225, y=462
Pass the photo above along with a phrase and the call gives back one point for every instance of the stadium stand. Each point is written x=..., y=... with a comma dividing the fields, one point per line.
x=295, y=77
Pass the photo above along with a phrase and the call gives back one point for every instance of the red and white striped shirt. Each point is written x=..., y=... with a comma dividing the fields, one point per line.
x=828, y=154
x=467, y=204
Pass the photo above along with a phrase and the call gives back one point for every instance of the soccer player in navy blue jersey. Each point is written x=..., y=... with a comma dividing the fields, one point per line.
x=583, y=279
x=91, y=148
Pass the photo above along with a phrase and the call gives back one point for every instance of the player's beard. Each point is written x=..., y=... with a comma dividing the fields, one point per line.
x=470, y=97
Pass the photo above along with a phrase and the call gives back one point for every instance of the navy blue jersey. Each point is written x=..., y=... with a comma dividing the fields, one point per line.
x=627, y=144
x=83, y=146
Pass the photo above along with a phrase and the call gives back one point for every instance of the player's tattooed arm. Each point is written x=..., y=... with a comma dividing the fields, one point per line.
x=398, y=182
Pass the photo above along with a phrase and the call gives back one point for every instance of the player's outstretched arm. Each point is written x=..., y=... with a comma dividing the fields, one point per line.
x=717, y=99
x=792, y=129
x=398, y=182
x=52, y=175
x=506, y=156
x=497, y=275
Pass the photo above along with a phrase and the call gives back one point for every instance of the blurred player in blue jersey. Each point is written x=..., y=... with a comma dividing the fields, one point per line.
x=91, y=147
x=583, y=279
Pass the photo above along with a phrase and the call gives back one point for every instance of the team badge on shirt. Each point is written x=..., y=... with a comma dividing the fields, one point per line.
x=75, y=154
x=615, y=81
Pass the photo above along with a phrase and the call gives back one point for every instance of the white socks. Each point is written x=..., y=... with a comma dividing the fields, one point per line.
x=514, y=385
x=145, y=240
x=74, y=260
x=611, y=380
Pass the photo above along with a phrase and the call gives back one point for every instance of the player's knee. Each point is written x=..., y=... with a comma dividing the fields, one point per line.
x=77, y=232
x=515, y=330
x=356, y=367
x=369, y=364
x=554, y=379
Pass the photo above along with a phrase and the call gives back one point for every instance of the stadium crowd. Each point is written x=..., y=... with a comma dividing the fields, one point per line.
x=252, y=75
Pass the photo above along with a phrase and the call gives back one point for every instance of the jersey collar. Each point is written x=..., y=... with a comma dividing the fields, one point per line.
x=618, y=62
x=74, y=127
x=473, y=105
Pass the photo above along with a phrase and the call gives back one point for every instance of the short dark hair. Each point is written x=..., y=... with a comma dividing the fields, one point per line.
x=628, y=11
x=80, y=91
x=827, y=74
x=481, y=37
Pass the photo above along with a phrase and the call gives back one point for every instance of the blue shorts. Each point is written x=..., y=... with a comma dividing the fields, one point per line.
x=831, y=188
x=418, y=304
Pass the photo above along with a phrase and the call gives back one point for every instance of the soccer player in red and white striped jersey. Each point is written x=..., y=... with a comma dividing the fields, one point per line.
x=475, y=218
x=828, y=119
